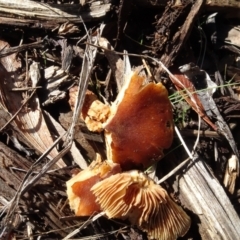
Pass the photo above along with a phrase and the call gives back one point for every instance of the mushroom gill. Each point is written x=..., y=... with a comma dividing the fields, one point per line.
x=134, y=196
x=81, y=200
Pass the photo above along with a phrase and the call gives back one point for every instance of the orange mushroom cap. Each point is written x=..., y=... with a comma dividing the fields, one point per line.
x=81, y=199
x=140, y=125
x=134, y=196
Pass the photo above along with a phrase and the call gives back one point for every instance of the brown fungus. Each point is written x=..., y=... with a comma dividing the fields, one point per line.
x=81, y=199
x=94, y=113
x=140, y=124
x=134, y=196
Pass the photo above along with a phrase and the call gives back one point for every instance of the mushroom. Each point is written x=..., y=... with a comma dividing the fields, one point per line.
x=140, y=124
x=94, y=112
x=134, y=196
x=81, y=199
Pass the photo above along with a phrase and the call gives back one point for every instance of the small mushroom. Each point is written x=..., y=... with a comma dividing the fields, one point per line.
x=140, y=124
x=81, y=200
x=134, y=196
x=94, y=113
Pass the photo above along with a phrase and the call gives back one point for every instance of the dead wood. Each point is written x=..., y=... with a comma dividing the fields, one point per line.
x=169, y=41
x=33, y=14
x=210, y=4
x=13, y=169
x=5, y=51
x=202, y=194
x=27, y=119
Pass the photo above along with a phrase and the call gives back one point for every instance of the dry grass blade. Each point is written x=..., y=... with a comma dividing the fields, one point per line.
x=174, y=171
x=88, y=62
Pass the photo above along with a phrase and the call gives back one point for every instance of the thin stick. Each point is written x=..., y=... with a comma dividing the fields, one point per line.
x=183, y=143
x=25, y=89
x=171, y=173
x=85, y=224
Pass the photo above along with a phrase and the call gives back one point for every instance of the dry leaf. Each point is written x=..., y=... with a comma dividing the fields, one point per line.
x=188, y=91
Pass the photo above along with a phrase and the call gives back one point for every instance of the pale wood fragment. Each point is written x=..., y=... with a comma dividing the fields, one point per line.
x=209, y=4
x=29, y=120
x=202, y=194
x=41, y=15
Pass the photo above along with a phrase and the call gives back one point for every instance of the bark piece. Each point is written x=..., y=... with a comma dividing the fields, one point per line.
x=209, y=4
x=54, y=78
x=38, y=203
x=201, y=192
x=231, y=173
x=6, y=50
x=41, y=15
x=172, y=34
x=29, y=121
